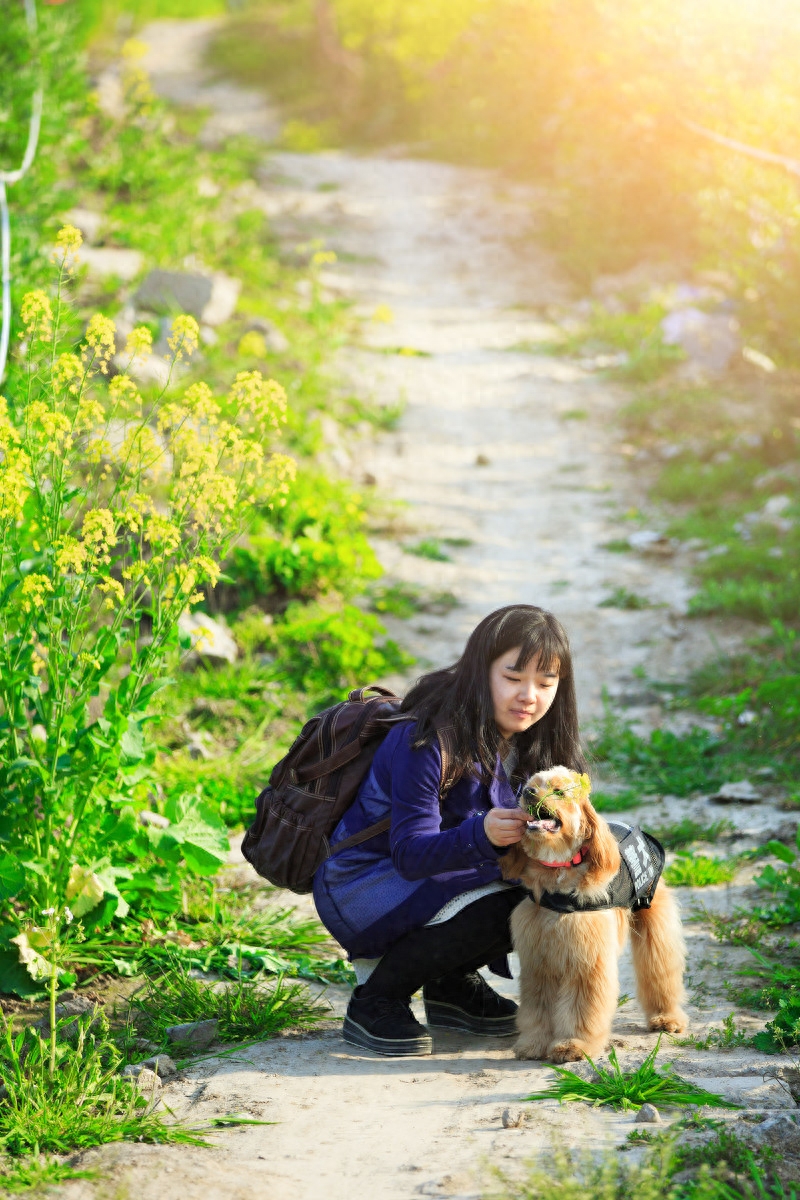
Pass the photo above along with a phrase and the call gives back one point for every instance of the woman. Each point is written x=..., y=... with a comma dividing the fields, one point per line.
x=424, y=904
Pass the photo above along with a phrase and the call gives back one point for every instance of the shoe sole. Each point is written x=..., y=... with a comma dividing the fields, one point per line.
x=448, y=1016
x=357, y=1035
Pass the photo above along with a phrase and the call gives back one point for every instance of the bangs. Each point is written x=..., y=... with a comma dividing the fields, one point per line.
x=546, y=646
x=539, y=636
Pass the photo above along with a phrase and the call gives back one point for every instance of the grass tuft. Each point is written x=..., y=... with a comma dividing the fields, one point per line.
x=621, y=597
x=245, y=1009
x=82, y=1102
x=700, y=871
x=629, y=1090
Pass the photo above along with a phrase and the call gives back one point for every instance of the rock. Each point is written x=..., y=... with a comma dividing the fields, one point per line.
x=162, y=1064
x=222, y=301
x=69, y=1006
x=196, y=744
x=710, y=341
x=482, y=460
x=146, y=817
x=740, y=792
x=275, y=339
x=105, y=261
x=209, y=638
x=147, y=1081
x=782, y=1133
x=786, y=833
x=757, y=359
x=85, y=219
x=144, y=1044
x=193, y=1035
x=648, y=1114
x=175, y=291
x=649, y=541
x=514, y=1118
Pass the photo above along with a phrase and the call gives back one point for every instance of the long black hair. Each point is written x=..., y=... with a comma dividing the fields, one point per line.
x=460, y=696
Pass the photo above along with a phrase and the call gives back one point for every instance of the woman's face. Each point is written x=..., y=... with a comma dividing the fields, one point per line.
x=520, y=698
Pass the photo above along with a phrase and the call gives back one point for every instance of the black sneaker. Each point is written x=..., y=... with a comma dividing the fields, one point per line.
x=385, y=1026
x=467, y=1002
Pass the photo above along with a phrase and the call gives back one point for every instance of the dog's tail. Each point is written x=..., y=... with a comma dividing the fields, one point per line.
x=659, y=959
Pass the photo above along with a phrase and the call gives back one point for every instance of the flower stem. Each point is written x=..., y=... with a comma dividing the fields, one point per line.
x=53, y=992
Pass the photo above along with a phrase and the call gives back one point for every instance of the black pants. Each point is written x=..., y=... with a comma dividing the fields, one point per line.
x=477, y=935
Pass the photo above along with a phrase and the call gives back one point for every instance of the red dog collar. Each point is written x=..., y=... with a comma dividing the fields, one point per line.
x=574, y=862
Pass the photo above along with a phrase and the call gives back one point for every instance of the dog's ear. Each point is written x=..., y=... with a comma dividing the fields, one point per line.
x=513, y=862
x=603, y=855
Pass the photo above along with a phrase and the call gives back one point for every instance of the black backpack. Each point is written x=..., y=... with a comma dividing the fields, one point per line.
x=316, y=782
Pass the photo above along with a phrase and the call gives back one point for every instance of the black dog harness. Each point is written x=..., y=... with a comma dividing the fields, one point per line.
x=634, y=883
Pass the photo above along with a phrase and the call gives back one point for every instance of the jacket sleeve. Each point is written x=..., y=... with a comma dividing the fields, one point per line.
x=419, y=846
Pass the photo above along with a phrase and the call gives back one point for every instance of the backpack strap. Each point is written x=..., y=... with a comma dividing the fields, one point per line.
x=446, y=738
x=447, y=746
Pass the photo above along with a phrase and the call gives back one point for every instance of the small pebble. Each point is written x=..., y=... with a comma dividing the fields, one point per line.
x=648, y=1114
x=482, y=460
x=513, y=1118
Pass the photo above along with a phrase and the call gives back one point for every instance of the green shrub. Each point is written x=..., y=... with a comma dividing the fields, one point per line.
x=324, y=651
x=313, y=544
x=782, y=1033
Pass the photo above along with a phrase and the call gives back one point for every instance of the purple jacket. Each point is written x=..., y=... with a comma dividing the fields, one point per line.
x=370, y=895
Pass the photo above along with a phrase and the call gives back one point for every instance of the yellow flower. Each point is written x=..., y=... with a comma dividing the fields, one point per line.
x=133, y=49
x=278, y=478
x=71, y=556
x=34, y=590
x=139, y=343
x=201, y=404
x=160, y=531
x=38, y=664
x=14, y=469
x=100, y=338
x=264, y=400
x=321, y=257
x=90, y=414
x=55, y=426
x=253, y=345
x=123, y=391
x=99, y=533
x=114, y=592
x=67, y=372
x=36, y=314
x=69, y=239
x=184, y=336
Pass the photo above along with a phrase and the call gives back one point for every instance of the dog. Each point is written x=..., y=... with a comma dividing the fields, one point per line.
x=588, y=892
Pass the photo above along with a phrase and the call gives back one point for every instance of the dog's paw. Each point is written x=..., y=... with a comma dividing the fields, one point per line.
x=671, y=1022
x=569, y=1051
x=525, y=1048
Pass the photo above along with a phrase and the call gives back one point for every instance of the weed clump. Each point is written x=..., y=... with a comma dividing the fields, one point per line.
x=698, y=870
x=629, y=1090
x=245, y=1009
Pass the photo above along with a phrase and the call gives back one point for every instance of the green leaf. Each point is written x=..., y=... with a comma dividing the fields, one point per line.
x=14, y=978
x=12, y=876
x=202, y=837
x=780, y=851
x=132, y=742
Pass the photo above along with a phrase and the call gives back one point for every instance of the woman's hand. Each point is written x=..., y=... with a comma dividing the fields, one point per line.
x=504, y=826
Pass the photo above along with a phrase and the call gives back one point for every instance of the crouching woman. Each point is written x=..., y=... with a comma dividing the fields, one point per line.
x=423, y=905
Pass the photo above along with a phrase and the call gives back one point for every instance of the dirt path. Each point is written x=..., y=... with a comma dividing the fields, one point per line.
x=488, y=450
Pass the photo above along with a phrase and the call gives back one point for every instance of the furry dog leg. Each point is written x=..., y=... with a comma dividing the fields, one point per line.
x=659, y=958
x=589, y=989
x=537, y=996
